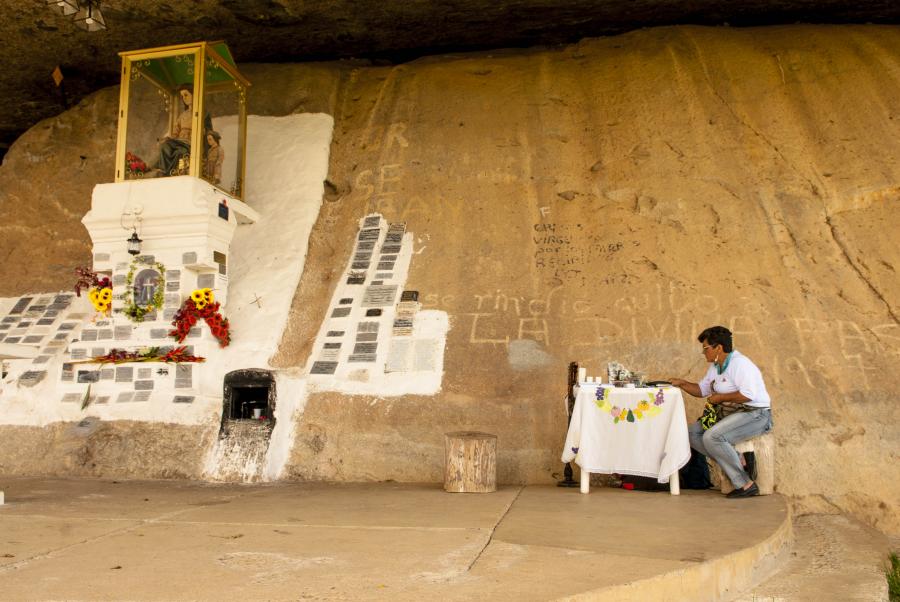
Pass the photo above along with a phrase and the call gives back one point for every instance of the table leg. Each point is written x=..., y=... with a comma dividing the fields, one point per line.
x=585, y=481
x=674, y=484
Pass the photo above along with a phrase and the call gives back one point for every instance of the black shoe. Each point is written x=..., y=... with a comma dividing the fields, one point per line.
x=750, y=465
x=752, y=491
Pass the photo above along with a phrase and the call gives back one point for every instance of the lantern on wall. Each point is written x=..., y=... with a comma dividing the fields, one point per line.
x=89, y=17
x=134, y=244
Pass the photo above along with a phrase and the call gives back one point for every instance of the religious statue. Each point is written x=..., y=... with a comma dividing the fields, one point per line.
x=215, y=155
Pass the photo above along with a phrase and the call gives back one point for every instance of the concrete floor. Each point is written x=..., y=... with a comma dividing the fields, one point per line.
x=98, y=540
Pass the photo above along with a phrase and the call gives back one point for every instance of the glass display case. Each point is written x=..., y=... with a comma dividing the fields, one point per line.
x=176, y=119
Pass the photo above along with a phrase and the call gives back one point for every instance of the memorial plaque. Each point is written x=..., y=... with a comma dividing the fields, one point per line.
x=105, y=334
x=356, y=279
x=193, y=333
x=88, y=376
x=409, y=296
x=373, y=312
x=10, y=320
x=102, y=399
x=118, y=280
x=143, y=385
x=361, y=357
x=184, y=376
x=124, y=374
x=385, y=265
x=329, y=355
x=98, y=351
x=206, y=280
x=372, y=221
x=324, y=367
x=123, y=332
x=377, y=282
x=51, y=313
x=368, y=234
x=25, y=324
x=367, y=336
x=107, y=373
x=173, y=285
x=13, y=340
x=5, y=326
x=79, y=354
x=384, y=275
x=141, y=396
x=390, y=249
x=335, y=333
x=125, y=397
x=159, y=333
x=173, y=275
x=365, y=245
x=45, y=321
x=41, y=359
x=63, y=299
x=183, y=399
x=67, y=326
x=88, y=335
x=346, y=301
x=72, y=398
x=68, y=373
x=365, y=348
x=20, y=305
x=370, y=326
x=30, y=378
x=340, y=312
x=145, y=373
x=379, y=296
x=33, y=340
x=61, y=336
x=38, y=309
x=363, y=256
x=359, y=265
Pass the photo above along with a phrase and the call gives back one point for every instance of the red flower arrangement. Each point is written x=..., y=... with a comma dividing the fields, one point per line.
x=88, y=278
x=135, y=164
x=190, y=314
x=120, y=356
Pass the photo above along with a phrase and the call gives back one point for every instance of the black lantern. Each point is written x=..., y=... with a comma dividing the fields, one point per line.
x=64, y=7
x=134, y=244
x=89, y=17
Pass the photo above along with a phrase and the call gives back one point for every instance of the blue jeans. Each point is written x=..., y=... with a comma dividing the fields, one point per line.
x=718, y=442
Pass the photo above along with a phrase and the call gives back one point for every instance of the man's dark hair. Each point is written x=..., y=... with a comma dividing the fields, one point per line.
x=717, y=335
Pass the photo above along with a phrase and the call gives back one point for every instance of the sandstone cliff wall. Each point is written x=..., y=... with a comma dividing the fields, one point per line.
x=606, y=200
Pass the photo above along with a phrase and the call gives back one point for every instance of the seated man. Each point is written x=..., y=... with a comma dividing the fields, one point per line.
x=735, y=384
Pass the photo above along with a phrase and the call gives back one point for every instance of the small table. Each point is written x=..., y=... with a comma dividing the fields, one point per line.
x=628, y=431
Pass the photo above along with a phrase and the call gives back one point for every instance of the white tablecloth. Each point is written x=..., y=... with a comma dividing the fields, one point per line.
x=628, y=431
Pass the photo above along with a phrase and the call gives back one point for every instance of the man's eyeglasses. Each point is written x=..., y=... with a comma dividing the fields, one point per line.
x=705, y=347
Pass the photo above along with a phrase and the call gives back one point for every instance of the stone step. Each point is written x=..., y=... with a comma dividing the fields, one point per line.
x=834, y=558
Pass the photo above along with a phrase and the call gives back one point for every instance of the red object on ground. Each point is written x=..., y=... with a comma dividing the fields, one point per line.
x=628, y=486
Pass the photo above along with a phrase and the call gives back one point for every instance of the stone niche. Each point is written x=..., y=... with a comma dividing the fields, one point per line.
x=249, y=395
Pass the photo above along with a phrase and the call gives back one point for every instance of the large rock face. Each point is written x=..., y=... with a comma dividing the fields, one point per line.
x=602, y=201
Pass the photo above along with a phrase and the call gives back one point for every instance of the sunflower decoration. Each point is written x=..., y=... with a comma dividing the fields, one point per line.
x=201, y=306
x=101, y=299
x=202, y=297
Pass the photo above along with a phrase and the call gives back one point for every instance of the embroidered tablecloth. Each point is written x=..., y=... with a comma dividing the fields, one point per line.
x=628, y=431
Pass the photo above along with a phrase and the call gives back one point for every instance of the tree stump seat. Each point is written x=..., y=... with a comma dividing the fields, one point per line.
x=763, y=448
x=471, y=462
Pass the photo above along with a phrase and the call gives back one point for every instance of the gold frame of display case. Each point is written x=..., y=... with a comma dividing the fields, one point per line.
x=167, y=82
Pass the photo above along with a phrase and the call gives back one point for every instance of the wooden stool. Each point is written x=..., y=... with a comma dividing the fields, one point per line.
x=471, y=463
x=763, y=448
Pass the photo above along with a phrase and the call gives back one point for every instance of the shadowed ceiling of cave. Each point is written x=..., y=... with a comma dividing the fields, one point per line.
x=34, y=39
